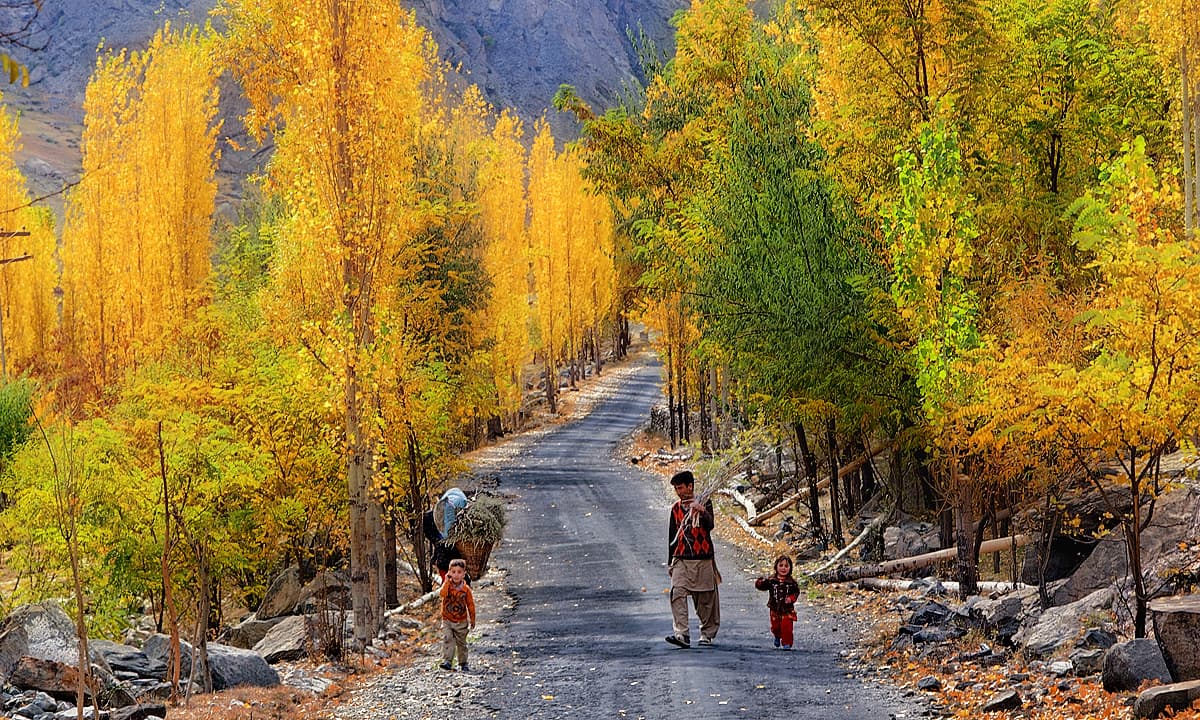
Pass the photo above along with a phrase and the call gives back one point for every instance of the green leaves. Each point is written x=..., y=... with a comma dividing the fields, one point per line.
x=930, y=229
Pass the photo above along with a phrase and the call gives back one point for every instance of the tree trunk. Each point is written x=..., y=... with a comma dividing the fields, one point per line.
x=551, y=385
x=200, y=642
x=1190, y=172
x=702, y=393
x=685, y=409
x=834, y=476
x=671, y=391
x=915, y=562
x=964, y=537
x=814, y=493
x=173, y=656
x=391, y=593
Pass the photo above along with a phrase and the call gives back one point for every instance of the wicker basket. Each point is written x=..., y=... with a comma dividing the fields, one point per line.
x=476, y=555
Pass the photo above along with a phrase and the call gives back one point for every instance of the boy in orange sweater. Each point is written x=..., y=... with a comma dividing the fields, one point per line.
x=458, y=615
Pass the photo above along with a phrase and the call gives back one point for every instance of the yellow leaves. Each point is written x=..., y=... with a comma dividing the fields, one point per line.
x=136, y=243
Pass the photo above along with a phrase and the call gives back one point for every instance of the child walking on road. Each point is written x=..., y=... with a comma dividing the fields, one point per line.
x=782, y=592
x=458, y=615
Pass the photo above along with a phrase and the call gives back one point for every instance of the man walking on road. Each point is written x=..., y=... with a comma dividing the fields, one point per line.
x=691, y=564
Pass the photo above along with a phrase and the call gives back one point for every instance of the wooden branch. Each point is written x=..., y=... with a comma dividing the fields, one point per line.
x=821, y=485
x=745, y=501
x=950, y=585
x=917, y=561
x=875, y=524
x=753, y=533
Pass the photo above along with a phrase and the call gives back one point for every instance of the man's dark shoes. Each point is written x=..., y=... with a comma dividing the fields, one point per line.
x=446, y=666
x=682, y=641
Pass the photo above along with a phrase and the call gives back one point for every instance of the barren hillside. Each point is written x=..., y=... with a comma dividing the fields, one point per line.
x=517, y=51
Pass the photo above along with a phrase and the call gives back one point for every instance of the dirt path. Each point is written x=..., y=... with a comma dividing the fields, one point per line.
x=573, y=626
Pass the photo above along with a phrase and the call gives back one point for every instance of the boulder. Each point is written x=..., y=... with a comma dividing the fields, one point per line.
x=1009, y=700
x=1002, y=616
x=289, y=594
x=139, y=712
x=41, y=631
x=1128, y=664
x=249, y=632
x=1176, y=519
x=910, y=538
x=49, y=676
x=1154, y=701
x=229, y=666
x=128, y=659
x=1088, y=661
x=329, y=590
x=1177, y=627
x=282, y=594
x=1058, y=627
x=288, y=640
x=237, y=667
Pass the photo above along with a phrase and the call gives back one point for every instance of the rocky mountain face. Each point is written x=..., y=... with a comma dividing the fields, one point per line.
x=517, y=51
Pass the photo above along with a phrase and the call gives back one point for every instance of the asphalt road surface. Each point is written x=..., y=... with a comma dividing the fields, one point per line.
x=585, y=552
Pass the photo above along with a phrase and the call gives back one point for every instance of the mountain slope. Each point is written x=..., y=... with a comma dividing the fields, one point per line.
x=517, y=51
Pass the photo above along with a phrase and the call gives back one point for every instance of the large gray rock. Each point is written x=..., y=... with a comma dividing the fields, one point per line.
x=282, y=596
x=237, y=667
x=1059, y=627
x=230, y=666
x=291, y=639
x=126, y=658
x=909, y=538
x=289, y=595
x=1176, y=519
x=41, y=631
x=1128, y=664
x=1154, y=701
x=249, y=632
x=1177, y=629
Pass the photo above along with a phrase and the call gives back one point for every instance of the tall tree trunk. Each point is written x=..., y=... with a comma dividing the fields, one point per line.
x=685, y=409
x=702, y=393
x=173, y=655
x=417, y=487
x=1133, y=548
x=834, y=467
x=1191, y=171
x=200, y=665
x=966, y=567
x=671, y=391
x=714, y=414
x=551, y=386
x=391, y=593
x=814, y=495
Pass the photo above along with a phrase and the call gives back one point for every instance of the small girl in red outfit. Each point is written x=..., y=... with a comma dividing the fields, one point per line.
x=782, y=592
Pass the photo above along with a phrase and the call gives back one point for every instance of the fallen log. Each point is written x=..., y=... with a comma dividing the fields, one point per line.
x=753, y=533
x=875, y=524
x=745, y=502
x=858, y=572
x=950, y=585
x=821, y=485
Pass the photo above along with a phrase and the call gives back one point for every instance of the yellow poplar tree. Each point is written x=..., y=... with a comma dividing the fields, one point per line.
x=29, y=274
x=502, y=207
x=548, y=232
x=339, y=83
x=1175, y=28
x=136, y=243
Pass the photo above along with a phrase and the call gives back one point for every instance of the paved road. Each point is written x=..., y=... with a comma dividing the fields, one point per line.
x=585, y=555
